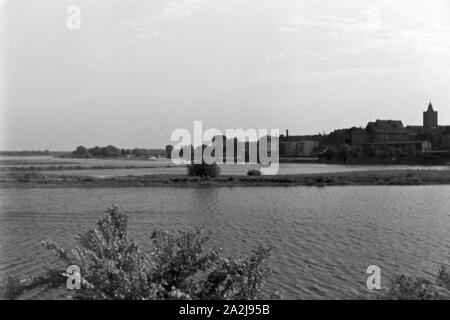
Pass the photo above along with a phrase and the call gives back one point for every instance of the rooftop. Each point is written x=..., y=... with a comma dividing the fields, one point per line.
x=387, y=125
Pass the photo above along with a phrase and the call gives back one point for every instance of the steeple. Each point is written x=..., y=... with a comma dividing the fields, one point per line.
x=430, y=117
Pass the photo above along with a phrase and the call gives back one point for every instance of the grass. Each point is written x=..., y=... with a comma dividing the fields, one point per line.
x=376, y=177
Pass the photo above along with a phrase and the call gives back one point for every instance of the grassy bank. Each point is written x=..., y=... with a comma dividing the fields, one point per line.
x=80, y=167
x=385, y=177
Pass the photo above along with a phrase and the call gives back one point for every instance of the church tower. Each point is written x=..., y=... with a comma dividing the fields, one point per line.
x=430, y=118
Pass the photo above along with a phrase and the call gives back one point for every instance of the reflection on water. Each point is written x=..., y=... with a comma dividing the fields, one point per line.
x=323, y=238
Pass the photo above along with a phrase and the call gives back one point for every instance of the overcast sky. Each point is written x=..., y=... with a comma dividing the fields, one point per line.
x=137, y=70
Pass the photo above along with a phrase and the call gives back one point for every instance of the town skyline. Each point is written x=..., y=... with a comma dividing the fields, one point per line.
x=283, y=132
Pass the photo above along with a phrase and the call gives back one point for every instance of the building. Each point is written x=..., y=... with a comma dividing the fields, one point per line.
x=298, y=146
x=430, y=118
x=445, y=138
x=306, y=147
x=354, y=137
x=383, y=134
x=430, y=130
x=386, y=131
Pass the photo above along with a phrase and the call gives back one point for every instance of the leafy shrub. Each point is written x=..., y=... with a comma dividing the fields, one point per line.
x=177, y=267
x=253, y=172
x=204, y=170
x=443, y=278
x=411, y=288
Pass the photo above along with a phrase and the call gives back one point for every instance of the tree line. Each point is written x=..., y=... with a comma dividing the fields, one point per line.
x=111, y=151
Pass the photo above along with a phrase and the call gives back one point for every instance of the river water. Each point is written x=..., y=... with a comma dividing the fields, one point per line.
x=323, y=239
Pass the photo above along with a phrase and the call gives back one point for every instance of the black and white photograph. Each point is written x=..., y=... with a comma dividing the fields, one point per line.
x=249, y=151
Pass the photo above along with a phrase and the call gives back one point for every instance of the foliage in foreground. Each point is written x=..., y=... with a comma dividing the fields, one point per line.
x=415, y=288
x=177, y=267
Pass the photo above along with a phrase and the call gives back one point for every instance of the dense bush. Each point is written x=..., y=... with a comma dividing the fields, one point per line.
x=204, y=170
x=410, y=288
x=177, y=267
x=253, y=172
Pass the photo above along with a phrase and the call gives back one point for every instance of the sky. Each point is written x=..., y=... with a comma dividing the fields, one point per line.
x=136, y=70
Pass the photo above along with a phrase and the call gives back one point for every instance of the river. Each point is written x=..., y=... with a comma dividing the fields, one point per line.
x=323, y=238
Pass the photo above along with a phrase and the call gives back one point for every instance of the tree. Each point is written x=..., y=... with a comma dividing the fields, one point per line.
x=178, y=266
x=253, y=172
x=95, y=151
x=169, y=149
x=359, y=151
x=329, y=153
x=372, y=151
x=344, y=152
x=80, y=151
x=202, y=169
x=427, y=136
x=110, y=151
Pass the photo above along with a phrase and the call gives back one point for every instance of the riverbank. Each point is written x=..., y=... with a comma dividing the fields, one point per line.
x=385, y=177
x=81, y=167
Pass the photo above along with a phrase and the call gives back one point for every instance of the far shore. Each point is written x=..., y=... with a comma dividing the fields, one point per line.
x=354, y=178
